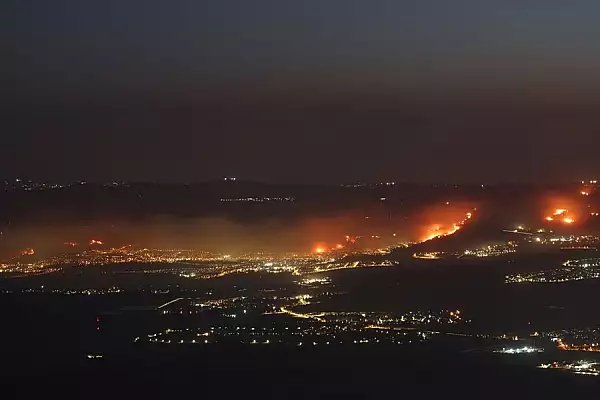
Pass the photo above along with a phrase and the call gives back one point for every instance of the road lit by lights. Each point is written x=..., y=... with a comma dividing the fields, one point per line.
x=303, y=316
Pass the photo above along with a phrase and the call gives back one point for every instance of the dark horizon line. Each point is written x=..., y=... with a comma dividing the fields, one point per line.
x=358, y=183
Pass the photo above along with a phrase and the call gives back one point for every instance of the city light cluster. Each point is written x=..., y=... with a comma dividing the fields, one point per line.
x=259, y=199
x=572, y=270
x=583, y=242
x=495, y=250
x=314, y=282
x=519, y=350
x=581, y=367
x=280, y=320
x=194, y=264
x=429, y=255
x=585, y=340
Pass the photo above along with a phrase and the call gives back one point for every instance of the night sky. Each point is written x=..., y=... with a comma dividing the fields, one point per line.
x=325, y=91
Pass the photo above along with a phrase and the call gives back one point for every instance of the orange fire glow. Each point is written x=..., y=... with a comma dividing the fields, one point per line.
x=94, y=241
x=319, y=250
x=563, y=214
x=566, y=220
x=28, y=252
x=566, y=209
x=437, y=230
x=339, y=246
x=72, y=244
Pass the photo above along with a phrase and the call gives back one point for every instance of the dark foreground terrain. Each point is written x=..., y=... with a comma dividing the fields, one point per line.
x=45, y=340
x=285, y=373
x=44, y=354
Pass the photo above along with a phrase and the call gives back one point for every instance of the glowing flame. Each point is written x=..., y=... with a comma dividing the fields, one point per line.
x=94, y=241
x=339, y=246
x=28, y=252
x=562, y=215
x=319, y=250
x=430, y=237
x=437, y=231
x=350, y=239
x=584, y=193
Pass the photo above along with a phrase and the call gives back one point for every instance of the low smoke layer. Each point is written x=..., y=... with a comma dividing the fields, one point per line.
x=223, y=235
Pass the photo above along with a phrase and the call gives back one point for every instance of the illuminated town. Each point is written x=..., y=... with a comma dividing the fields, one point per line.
x=581, y=367
x=368, y=288
x=579, y=340
x=572, y=270
x=189, y=263
x=258, y=199
x=279, y=320
x=519, y=350
x=493, y=250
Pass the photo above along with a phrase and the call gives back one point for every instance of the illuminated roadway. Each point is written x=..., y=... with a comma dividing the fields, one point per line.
x=304, y=316
x=169, y=302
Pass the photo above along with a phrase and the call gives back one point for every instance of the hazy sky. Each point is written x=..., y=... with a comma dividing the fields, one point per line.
x=303, y=91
